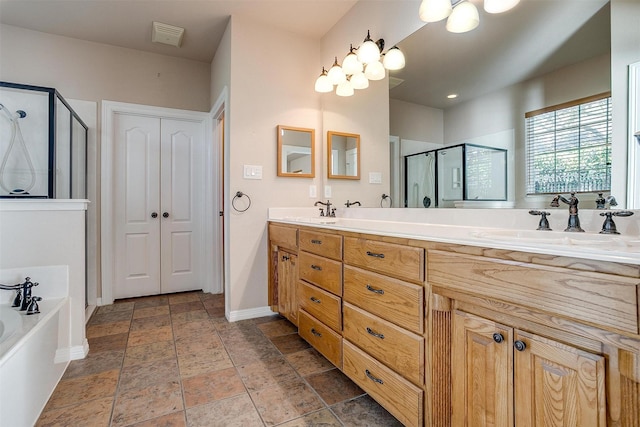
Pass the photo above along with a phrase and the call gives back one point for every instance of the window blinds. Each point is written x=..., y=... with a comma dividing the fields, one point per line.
x=568, y=147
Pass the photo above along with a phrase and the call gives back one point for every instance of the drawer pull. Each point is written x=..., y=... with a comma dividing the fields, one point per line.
x=316, y=242
x=316, y=267
x=375, y=334
x=375, y=255
x=374, y=290
x=316, y=333
x=372, y=378
x=316, y=300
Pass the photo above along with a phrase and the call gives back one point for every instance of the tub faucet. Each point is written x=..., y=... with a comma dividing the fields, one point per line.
x=601, y=202
x=328, y=207
x=349, y=204
x=574, y=221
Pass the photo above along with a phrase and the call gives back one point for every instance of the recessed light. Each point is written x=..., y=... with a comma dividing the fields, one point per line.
x=452, y=96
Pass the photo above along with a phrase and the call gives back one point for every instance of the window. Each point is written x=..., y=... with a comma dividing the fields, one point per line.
x=568, y=147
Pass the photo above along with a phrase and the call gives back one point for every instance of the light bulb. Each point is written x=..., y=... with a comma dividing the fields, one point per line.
x=323, y=85
x=369, y=51
x=374, y=71
x=394, y=59
x=499, y=6
x=434, y=10
x=335, y=74
x=463, y=18
x=350, y=63
x=344, y=89
x=359, y=81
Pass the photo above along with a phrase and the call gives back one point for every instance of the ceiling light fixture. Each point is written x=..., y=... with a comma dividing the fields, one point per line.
x=452, y=96
x=359, y=66
x=462, y=15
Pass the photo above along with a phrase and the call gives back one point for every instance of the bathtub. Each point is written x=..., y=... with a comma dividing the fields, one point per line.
x=33, y=357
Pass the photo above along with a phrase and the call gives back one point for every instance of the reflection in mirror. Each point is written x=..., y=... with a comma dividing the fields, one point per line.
x=503, y=69
x=296, y=154
x=343, y=154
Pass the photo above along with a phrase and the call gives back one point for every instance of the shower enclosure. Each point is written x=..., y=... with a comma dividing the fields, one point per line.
x=43, y=144
x=441, y=177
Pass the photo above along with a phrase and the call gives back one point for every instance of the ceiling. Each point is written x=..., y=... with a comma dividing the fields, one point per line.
x=536, y=37
x=127, y=23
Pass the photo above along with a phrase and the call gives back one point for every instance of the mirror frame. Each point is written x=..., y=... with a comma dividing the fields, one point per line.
x=330, y=134
x=312, y=132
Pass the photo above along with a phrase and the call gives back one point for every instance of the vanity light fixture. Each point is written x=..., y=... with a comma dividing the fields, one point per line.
x=361, y=64
x=462, y=15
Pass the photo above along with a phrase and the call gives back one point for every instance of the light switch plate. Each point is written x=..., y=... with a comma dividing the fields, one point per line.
x=252, y=172
x=327, y=191
x=313, y=191
x=375, y=177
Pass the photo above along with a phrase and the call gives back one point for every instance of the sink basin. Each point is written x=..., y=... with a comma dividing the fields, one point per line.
x=312, y=220
x=602, y=241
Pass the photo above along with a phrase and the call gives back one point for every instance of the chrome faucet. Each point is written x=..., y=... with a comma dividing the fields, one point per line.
x=330, y=212
x=349, y=204
x=574, y=221
x=601, y=202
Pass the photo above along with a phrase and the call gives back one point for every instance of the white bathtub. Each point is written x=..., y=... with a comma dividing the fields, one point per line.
x=33, y=357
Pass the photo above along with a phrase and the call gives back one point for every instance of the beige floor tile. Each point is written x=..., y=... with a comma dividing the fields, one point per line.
x=189, y=316
x=149, y=373
x=94, y=363
x=176, y=419
x=206, y=388
x=194, y=330
x=333, y=386
x=285, y=401
x=152, y=322
x=103, y=329
x=149, y=352
x=237, y=411
x=184, y=297
x=289, y=343
x=153, y=301
x=322, y=418
x=148, y=336
x=203, y=363
x=308, y=362
x=267, y=373
x=125, y=306
x=108, y=343
x=278, y=327
x=364, y=412
x=186, y=306
x=110, y=317
x=94, y=413
x=147, y=403
x=151, y=311
x=85, y=388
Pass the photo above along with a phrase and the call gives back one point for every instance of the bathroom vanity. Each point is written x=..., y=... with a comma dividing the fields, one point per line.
x=445, y=326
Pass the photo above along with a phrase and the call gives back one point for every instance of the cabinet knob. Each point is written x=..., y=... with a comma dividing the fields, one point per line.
x=285, y=257
x=154, y=214
x=520, y=345
x=497, y=337
x=165, y=215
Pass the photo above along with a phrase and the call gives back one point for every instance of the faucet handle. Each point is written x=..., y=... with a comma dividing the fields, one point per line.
x=609, y=227
x=543, y=225
x=321, y=212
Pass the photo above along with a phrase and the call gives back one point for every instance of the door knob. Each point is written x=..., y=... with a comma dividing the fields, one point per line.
x=165, y=215
x=154, y=214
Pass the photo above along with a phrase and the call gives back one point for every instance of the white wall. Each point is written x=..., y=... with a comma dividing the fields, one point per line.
x=271, y=83
x=416, y=122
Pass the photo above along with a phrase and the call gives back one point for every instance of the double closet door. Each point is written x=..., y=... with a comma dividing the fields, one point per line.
x=158, y=205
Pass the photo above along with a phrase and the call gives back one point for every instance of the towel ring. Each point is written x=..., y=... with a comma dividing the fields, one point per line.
x=239, y=195
x=385, y=197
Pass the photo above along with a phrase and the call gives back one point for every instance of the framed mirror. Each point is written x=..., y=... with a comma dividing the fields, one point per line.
x=296, y=152
x=343, y=154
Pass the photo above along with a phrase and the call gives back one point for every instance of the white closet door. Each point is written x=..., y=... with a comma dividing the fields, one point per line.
x=137, y=198
x=182, y=195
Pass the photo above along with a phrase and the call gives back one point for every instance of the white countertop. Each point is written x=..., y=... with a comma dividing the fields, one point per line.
x=468, y=227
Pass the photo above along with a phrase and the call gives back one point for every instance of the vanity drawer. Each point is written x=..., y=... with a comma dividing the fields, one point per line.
x=327, y=245
x=399, y=302
x=399, y=349
x=321, y=271
x=403, y=399
x=403, y=262
x=285, y=237
x=603, y=300
x=321, y=337
x=323, y=305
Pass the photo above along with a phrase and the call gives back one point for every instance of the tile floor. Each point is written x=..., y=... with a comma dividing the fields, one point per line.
x=174, y=360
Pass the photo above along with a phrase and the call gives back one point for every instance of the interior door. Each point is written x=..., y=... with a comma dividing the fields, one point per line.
x=182, y=178
x=136, y=203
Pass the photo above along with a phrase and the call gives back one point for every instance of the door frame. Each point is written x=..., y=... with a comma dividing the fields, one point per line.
x=107, y=154
x=633, y=144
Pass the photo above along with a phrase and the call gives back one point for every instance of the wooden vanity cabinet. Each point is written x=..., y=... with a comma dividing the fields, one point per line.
x=283, y=271
x=507, y=377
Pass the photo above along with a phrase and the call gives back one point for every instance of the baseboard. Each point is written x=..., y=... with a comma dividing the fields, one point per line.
x=88, y=311
x=250, y=313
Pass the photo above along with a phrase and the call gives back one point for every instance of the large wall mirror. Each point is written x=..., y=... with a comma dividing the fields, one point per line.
x=296, y=152
x=343, y=155
x=539, y=54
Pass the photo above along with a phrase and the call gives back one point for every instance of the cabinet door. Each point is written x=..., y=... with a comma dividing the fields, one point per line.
x=557, y=385
x=287, y=277
x=482, y=363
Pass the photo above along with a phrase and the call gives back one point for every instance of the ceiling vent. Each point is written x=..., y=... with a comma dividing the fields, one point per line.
x=394, y=81
x=167, y=34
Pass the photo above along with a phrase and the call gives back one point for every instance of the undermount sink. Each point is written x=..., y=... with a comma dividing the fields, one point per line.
x=313, y=220
x=602, y=241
